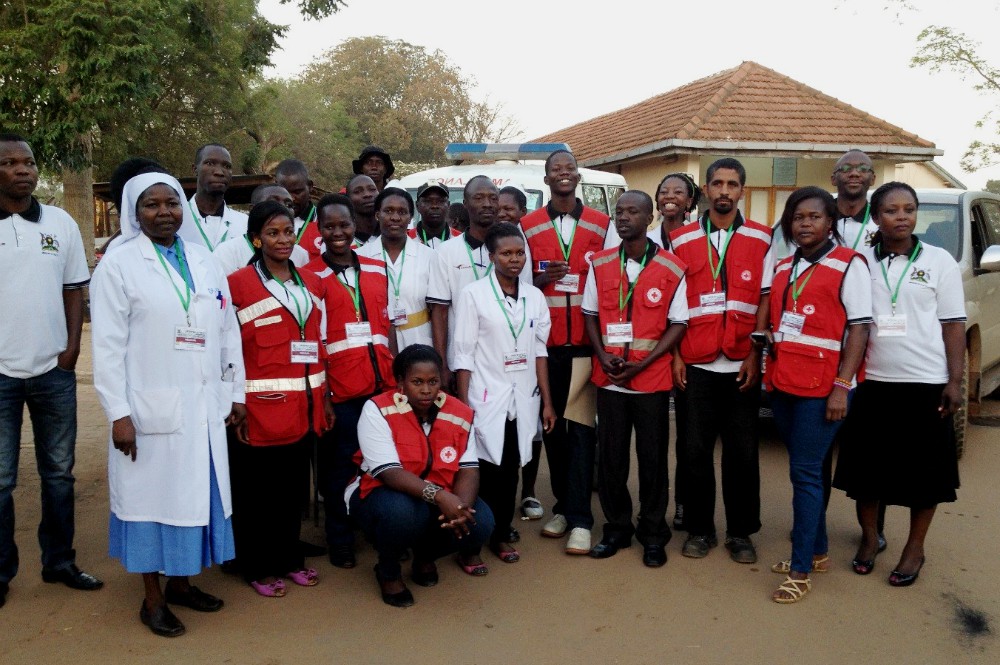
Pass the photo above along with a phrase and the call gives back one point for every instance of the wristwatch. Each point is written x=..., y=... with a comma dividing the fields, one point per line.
x=429, y=492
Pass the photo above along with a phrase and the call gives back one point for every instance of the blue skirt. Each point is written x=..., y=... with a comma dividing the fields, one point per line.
x=176, y=551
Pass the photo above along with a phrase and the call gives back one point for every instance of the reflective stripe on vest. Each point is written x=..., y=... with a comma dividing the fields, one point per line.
x=731, y=306
x=345, y=344
x=258, y=309
x=560, y=301
x=285, y=385
x=455, y=420
x=593, y=228
x=635, y=344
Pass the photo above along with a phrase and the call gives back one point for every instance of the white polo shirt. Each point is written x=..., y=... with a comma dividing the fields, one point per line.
x=409, y=277
x=930, y=294
x=213, y=230
x=41, y=254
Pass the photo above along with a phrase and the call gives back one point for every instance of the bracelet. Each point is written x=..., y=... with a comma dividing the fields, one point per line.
x=842, y=383
x=429, y=492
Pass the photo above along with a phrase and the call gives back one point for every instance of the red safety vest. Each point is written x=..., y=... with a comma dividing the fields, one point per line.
x=647, y=310
x=312, y=241
x=412, y=233
x=544, y=244
x=806, y=365
x=355, y=370
x=276, y=389
x=434, y=457
x=727, y=332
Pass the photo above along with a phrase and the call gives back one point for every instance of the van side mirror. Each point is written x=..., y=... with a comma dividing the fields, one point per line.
x=990, y=261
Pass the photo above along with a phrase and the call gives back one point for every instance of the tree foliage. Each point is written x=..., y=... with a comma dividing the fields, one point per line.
x=943, y=48
x=403, y=97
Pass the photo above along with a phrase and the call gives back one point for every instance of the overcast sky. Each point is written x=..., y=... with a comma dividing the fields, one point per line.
x=552, y=64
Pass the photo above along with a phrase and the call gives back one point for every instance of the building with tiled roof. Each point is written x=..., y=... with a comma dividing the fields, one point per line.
x=786, y=134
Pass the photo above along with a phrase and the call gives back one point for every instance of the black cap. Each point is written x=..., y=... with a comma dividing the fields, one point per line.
x=430, y=185
x=379, y=152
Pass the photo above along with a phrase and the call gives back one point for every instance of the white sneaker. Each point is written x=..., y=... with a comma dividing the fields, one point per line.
x=555, y=527
x=531, y=508
x=579, y=541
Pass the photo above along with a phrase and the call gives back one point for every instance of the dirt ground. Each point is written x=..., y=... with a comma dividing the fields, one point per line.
x=549, y=608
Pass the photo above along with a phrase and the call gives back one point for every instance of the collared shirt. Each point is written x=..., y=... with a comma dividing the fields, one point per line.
x=850, y=227
x=172, y=254
x=218, y=226
x=41, y=255
x=566, y=224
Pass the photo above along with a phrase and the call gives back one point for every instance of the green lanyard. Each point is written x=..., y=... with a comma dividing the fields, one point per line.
x=861, y=231
x=472, y=263
x=717, y=269
x=197, y=222
x=623, y=299
x=885, y=275
x=309, y=218
x=510, y=324
x=565, y=247
x=796, y=292
x=356, y=293
x=444, y=234
x=299, y=317
x=186, y=298
x=388, y=273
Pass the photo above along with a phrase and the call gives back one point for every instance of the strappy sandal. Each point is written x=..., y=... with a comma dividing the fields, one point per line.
x=796, y=590
x=821, y=564
x=304, y=577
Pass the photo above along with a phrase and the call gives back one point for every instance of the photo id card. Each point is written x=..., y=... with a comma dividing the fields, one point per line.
x=619, y=333
x=713, y=303
x=187, y=338
x=305, y=352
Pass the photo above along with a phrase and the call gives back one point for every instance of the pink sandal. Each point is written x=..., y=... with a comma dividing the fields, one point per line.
x=275, y=589
x=304, y=577
x=475, y=569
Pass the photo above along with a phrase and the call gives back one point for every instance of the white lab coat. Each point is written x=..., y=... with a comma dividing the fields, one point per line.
x=178, y=400
x=482, y=337
x=414, y=275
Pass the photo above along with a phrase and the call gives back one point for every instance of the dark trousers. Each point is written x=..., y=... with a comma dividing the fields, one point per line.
x=680, y=429
x=717, y=409
x=649, y=415
x=267, y=484
x=393, y=521
x=337, y=469
x=498, y=484
x=570, y=448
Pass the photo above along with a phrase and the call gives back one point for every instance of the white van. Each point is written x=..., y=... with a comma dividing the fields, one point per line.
x=516, y=164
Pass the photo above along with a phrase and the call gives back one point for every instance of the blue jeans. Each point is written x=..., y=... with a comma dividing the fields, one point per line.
x=337, y=468
x=808, y=435
x=393, y=521
x=51, y=400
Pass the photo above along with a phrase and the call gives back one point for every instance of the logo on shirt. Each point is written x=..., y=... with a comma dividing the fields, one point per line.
x=868, y=237
x=809, y=309
x=746, y=275
x=654, y=295
x=448, y=454
x=50, y=244
x=920, y=275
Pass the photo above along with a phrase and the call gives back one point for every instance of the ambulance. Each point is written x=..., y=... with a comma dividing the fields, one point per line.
x=520, y=164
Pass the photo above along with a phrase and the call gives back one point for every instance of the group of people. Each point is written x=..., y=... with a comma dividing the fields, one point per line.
x=412, y=372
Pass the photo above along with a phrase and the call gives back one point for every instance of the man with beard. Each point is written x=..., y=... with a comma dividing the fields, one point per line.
x=362, y=191
x=214, y=220
x=432, y=204
x=730, y=265
x=294, y=177
x=375, y=163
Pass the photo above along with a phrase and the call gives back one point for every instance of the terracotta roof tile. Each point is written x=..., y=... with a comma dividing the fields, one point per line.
x=747, y=103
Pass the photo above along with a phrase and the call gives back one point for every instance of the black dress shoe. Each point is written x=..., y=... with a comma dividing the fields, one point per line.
x=425, y=578
x=897, y=578
x=309, y=550
x=654, y=556
x=399, y=599
x=194, y=598
x=342, y=556
x=161, y=621
x=608, y=548
x=72, y=577
x=4, y=588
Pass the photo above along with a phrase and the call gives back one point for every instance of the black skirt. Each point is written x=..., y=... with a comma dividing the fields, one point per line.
x=896, y=448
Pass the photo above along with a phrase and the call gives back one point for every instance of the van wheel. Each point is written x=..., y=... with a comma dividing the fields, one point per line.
x=960, y=420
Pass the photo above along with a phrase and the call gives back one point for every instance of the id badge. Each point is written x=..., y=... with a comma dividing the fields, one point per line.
x=569, y=284
x=791, y=323
x=619, y=333
x=359, y=333
x=399, y=316
x=515, y=361
x=305, y=352
x=892, y=326
x=713, y=303
x=187, y=338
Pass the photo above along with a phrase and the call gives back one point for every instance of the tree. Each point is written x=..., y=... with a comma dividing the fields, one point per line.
x=945, y=48
x=404, y=98
x=992, y=186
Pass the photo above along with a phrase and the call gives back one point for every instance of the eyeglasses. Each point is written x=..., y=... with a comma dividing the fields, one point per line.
x=847, y=168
